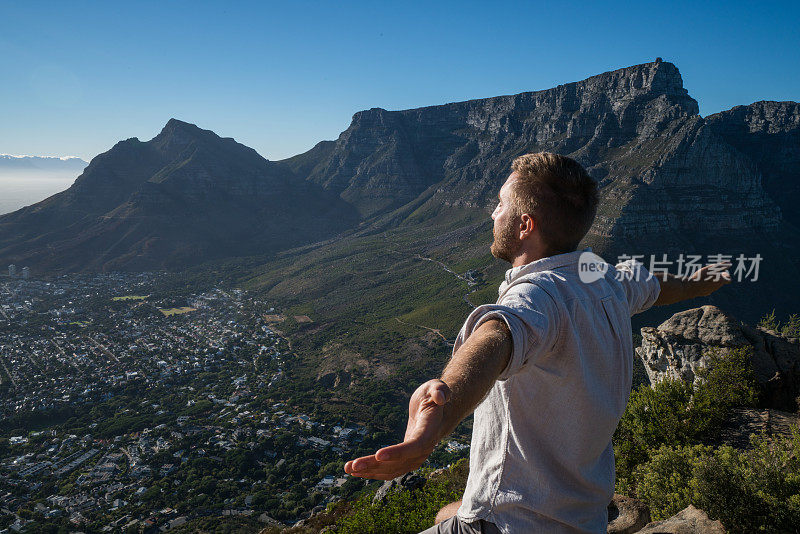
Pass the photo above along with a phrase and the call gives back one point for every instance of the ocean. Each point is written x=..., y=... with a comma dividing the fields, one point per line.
x=19, y=192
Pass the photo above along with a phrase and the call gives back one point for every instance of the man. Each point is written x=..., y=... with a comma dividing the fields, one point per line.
x=548, y=367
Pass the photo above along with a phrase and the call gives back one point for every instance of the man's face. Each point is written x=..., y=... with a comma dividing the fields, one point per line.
x=506, y=242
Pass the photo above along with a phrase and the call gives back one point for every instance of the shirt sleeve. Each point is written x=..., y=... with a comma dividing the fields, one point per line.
x=530, y=314
x=641, y=288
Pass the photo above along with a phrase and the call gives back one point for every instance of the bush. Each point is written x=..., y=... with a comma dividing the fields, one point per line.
x=727, y=382
x=675, y=413
x=405, y=511
x=667, y=482
x=791, y=328
x=755, y=490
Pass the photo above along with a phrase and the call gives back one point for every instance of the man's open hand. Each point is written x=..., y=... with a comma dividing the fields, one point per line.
x=710, y=278
x=424, y=431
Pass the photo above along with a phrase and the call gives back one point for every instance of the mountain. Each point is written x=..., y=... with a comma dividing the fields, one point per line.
x=672, y=182
x=636, y=129
x=769, y=134
x=184, y=197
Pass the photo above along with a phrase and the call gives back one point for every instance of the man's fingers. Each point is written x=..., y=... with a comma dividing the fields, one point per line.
x=389, y=470
x=373, y=461
x=439, y=392
x=407, y=449
x=374, y=476
x=359, y=464
x=713, y=273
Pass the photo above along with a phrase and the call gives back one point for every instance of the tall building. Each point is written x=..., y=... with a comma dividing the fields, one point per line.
x=26, y=273
x=12, y=270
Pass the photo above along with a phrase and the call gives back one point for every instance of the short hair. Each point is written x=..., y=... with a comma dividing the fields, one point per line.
x=560, y=196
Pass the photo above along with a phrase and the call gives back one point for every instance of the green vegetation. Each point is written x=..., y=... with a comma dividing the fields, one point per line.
x=217, y=525
x=790, y=328
x=754, y=490
x=664, y=456
x=130, y=297
x=675, y=413
x=405, y=511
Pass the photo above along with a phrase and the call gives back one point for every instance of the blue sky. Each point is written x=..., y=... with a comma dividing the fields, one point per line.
x=279, y=77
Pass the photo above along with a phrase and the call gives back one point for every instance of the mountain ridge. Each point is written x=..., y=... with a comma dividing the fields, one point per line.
x=662, y=169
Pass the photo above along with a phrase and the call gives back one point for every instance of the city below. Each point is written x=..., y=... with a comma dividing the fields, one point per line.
x=150, y=408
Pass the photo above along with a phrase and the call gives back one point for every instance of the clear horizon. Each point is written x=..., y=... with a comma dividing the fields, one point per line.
x=280, y=78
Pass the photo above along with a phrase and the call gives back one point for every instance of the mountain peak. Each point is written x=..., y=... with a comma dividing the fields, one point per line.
x=174, y=125
x=177, y=134
x=658, y=77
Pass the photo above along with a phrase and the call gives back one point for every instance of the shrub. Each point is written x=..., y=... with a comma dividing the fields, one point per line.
x=667, y=482
x=676, y=413
x=791, y=328
x=769, y=322
x=728, y=381
x=655, y=416
x=405, y=511
x=755, y=490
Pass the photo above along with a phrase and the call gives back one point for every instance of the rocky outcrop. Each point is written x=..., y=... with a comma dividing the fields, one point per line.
x=668, y=177
x=626, y=515
x=682, y=344
x=407, y=482
x=690, y=520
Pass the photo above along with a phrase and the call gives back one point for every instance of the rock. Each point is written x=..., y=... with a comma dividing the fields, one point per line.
x=742, y=422
x=626, y=515
x=185, y=197
x=334, y=379
x=407, y=482
x=265, y=518
x=690, y=520
x=636, y=129
x=680, y=345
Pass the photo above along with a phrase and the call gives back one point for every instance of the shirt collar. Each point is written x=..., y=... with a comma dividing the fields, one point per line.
x=545, y=264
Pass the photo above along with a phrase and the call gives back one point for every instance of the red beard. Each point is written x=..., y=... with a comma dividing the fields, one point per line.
x=506, y=244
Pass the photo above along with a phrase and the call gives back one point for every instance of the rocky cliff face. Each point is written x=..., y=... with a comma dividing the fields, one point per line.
x=638, y=131
x=769, y=134
x=682, y=344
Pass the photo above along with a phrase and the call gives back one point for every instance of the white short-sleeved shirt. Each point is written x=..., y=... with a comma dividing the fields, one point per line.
x=541, y=458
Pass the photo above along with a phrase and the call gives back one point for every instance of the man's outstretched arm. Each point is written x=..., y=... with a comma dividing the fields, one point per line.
x=437, y=406
x=700, y=284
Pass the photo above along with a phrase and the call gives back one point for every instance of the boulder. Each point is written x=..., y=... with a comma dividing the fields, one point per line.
x=408, y=482
x=690, y=520
x=626, y=515
x=679, y=346
x=742, y=422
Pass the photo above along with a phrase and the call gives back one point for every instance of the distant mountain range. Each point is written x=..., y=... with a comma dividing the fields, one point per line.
x=14, y=164
x=671, y=180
